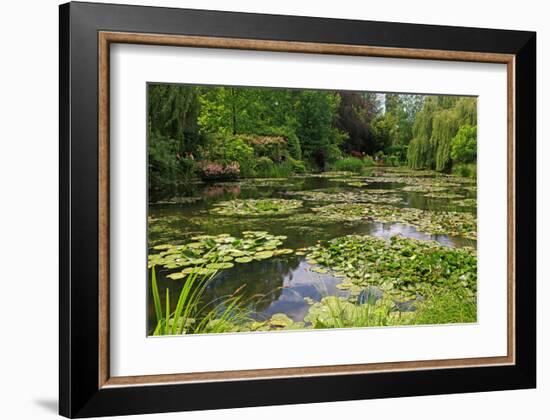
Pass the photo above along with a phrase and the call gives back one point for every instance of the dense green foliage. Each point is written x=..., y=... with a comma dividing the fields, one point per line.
x=435, y=130
x=464, y=145
x=351, y=164
x=173, y=132
x=222, y=133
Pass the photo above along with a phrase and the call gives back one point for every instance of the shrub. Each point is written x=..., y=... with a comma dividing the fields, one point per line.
x=368, y=161
x=464, y=145
x=349, y=164
x=446, y=307
x=399, y=151
x=298, y=166
x=273, y=147
x=293, y=145
x=392, y=160
x=465, y=169
x=167, y=165
x=263, y=164
x=227, y=150
x=215, y=171
x=276, y=170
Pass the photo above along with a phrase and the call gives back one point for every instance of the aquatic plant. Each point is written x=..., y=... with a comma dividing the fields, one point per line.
x=442, y=307
x=177, y=200
x=338, y=312
x=191, y=315
x=467, y=202
x=424, y=188
x=361, y=196
x=432, y=222
x=208, y=254
x=447, y=306
x=256, y=207
x=401, y=265
x=333, y=174
x=442, y=195
x=286, y=183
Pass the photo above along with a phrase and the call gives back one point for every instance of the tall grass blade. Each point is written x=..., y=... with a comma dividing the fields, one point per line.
x=156, y=296
x=167, y=311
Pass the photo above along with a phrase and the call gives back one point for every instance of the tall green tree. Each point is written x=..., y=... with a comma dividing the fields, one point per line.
x=173, y=132
x=435, y=127
x=356, y=113
x=315, y=113
x=404, y=108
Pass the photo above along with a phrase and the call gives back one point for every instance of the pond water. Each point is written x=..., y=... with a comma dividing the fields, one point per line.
x=280, y=284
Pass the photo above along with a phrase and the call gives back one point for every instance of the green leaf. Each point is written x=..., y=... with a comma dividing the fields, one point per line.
x=156, y=296
x=243, y=259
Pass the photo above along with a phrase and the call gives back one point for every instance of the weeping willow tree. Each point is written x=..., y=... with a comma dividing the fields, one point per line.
x=173, y=132
x=435, y=127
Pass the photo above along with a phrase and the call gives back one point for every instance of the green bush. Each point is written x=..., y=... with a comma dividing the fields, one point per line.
x=298, y=166
x=465, y=169
x=399, y=151
x=392, y=160
x=293, y=145
x=368, y=161
x=349, y=164
x=447, y=307
x=263, y=165
x=275, y=170
x=228, y=149
x=166, y=165
x=464, y=144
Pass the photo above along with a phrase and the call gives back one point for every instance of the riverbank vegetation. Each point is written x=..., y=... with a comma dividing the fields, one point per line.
x=226, y=133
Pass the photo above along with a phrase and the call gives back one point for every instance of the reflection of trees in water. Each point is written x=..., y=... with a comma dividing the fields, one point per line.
x=216, y=190
x=263, y=279
x=419, y=201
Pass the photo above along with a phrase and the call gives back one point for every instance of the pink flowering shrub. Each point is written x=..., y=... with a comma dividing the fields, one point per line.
x=211, y=171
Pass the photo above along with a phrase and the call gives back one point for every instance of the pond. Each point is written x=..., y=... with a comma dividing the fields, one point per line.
x=282, y=283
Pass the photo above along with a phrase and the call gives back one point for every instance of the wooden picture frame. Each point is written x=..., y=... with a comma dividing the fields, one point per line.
x=86, y=32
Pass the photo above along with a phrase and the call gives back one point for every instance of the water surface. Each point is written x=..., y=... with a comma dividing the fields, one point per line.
x=278, y=284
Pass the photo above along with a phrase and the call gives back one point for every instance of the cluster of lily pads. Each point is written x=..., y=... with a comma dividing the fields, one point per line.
x=402, y=265
x=443, y=195
x=466, y=202
x=431, y=222
x=257, y=207
x=340, y=312
x=207, y=254
x=361, y=196
x=178, y=200
x=424, y=188
x=269, y=182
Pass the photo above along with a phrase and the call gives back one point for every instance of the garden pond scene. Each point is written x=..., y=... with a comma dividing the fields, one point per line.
x=245, y=234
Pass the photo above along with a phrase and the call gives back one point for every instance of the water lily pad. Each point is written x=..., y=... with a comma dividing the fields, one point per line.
x=433, y=222
x=256, y=207
x=218, y=252
x=262, y=255
x=219, y=266
x=280, y=320
x=198, y=270
x=243, y=259
x=357, y=196
x=400, y=265
x=176, y=276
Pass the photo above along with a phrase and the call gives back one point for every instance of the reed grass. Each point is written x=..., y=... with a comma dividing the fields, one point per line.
x=191, y=315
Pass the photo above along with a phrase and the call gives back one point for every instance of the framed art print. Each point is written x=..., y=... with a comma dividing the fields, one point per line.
x=260, y=209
